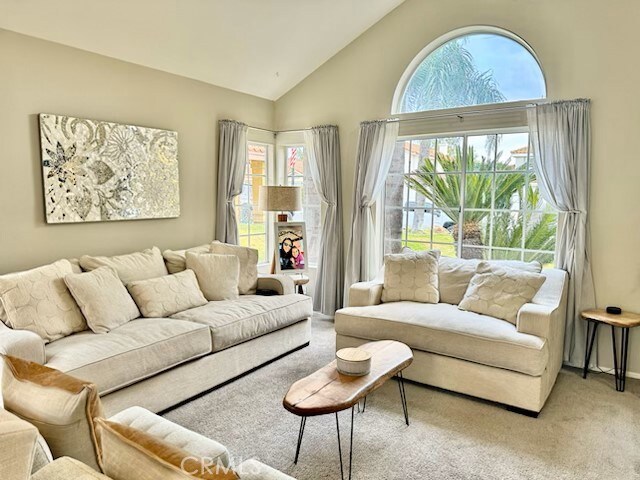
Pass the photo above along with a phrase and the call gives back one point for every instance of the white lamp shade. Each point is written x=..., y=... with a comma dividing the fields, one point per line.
x=280, y=199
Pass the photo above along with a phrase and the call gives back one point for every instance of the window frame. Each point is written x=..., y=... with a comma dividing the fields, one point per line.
x=460, y=245
x=405, y=78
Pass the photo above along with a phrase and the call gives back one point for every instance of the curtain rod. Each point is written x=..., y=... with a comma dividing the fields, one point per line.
x=275, y=132
x=464, y=114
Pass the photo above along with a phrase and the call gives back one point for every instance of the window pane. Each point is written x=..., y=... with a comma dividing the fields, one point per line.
x=497, y=254
x=513, y=151
x=547, y=259
x=478, y=190
x=449, y=154
x=475, y=253
x=508, y=191
x=541, y=231
x=507, y=229
x=481, y=151
x=474, y=69
x=446, y=250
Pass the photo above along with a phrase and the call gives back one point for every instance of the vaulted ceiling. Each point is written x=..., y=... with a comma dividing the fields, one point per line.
x=261, y=47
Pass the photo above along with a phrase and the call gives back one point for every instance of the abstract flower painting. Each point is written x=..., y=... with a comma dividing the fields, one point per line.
x=97, y=171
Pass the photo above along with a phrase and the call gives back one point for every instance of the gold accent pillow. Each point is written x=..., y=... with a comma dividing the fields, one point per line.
x=62, y=407
x=164, y=296
x=411, y=276
x=127, y=453
x=500, y=292
x=38, y=300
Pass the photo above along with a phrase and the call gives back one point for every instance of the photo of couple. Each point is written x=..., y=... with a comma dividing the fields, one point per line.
x=291, y=246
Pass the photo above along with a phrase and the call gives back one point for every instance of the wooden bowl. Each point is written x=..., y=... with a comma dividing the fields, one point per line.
x=353, y=361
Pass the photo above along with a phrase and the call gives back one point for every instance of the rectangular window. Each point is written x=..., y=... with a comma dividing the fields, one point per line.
x=252, y=221
x=297, y=174
x=469, y=196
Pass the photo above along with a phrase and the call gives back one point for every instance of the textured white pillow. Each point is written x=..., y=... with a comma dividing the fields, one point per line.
x=454, y=275
x=411, y=276
x=164, y=296
x=176, y=259
x=103, y=299
x=217, y=274
x=500, y=292
x=130, y=267
x=38, y=300
x=248, y=281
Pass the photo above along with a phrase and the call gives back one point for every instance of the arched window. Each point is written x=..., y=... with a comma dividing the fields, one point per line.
x=463, y=181
x=469, y=67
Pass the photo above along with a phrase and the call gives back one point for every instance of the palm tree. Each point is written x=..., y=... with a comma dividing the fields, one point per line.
x=449, y=78
x=444, y=191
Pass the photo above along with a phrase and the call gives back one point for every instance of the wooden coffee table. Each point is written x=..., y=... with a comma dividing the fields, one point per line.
x=327, y=391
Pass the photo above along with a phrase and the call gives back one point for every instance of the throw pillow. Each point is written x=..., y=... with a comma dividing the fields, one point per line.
x=127, y=453
x=454, y=275
x=39, y=301
x=60, y=406
x=217, y=274
x=164, y=296
x=248, y=257
x=103, y=299
x=176, y=259
x=411, y=276
x=500, y=292
x=130, y=267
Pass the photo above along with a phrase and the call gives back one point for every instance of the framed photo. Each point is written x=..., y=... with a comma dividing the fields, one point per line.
x=291, y=247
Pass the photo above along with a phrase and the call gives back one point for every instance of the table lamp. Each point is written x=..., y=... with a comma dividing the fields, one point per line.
x=280, y=199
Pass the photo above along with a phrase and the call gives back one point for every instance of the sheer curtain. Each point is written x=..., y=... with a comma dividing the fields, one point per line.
x=232, y=161
x=375, y=150
x=561, y=140
x=323, y=156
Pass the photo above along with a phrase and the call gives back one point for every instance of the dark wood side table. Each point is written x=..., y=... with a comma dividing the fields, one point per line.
x=624, y=321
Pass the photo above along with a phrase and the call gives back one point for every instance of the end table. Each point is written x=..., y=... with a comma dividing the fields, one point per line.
x=624, y=321
x=299, y=281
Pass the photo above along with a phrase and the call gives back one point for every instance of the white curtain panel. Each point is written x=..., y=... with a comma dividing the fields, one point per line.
x=323, y=156
x=561, y=140
x=232, y=161
x=375, y=151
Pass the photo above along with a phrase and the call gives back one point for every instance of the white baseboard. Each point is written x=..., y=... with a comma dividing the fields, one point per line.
x=609, y=370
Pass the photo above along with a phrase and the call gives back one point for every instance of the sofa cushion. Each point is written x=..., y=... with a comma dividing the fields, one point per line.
x=130, y=267
x=164, y=296
x=103, y=299
x=248, y=258
x=217, y=275
x=62, y=407
x=130, y=454
x=500, y=291
x=39, y=301
x=444, y=329
x=173, y=434
x=176, y=260
x=65, y=468
x=411, y=276
x=129, y=353
x=454, y=275
x=249, y=316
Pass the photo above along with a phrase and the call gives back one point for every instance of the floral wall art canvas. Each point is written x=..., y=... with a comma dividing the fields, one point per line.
x=97, y=171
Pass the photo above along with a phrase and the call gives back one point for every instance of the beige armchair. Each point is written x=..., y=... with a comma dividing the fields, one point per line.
x=17, y=447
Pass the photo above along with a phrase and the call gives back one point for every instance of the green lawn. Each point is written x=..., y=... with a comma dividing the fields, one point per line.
x=442, y=241
x=254, y=242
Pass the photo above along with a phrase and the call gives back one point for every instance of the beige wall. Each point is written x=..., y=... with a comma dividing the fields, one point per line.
x=586, y=48
x=38, y=76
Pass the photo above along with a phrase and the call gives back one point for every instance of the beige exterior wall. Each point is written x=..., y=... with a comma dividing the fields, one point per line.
x=586, y=48
x=38, y=76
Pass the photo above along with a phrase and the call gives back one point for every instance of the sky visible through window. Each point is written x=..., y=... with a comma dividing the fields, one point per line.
x=474, y=69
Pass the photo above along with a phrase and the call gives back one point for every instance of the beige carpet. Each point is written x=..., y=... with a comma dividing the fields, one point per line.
x=587, y=430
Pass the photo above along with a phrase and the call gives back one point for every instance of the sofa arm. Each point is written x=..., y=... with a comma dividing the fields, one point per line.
x=363, y=294
x=17, y=446
x=535, y=319
x=22, y=344
x=65, y=468
x=281, y=284
x=254, y=470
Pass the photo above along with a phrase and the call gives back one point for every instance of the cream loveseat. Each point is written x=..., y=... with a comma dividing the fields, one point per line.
x=157, y=363
x=465, y=352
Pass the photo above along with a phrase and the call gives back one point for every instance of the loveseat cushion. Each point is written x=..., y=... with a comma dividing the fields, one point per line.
x=249, y=316
x=129, y=353
x=444, y=329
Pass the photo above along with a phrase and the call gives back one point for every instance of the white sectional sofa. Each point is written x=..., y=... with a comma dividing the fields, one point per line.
x=465, y=352
x=157, y=363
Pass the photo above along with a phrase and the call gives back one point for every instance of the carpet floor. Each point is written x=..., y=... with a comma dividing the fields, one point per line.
x=587, y=430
